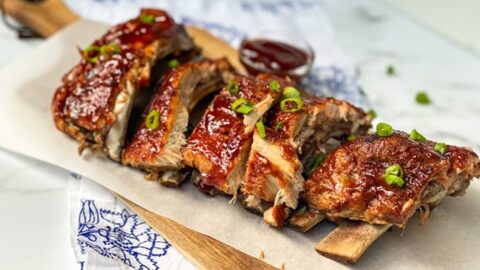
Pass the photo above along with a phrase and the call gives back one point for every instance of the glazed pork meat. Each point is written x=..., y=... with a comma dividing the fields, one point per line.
x=94, y=103
x=219, y=145
x=275, y=169
x=157, y=144
x=383, y=180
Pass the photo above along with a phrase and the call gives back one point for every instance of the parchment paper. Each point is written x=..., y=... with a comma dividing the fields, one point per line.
x=449, y=239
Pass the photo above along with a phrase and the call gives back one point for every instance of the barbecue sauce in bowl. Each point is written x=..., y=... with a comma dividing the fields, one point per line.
x=262, y=55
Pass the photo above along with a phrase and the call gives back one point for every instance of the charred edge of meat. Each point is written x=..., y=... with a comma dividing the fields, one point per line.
x=434, y=176
x=143, y=97
x=107, y=134
x=181, y=89
x=319, y=128
x=222, y=132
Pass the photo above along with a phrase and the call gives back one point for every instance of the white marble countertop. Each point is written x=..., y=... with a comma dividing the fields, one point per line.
x=33, y=195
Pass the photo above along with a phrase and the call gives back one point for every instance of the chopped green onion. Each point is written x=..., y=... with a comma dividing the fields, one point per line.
x=110, y=49
x=390, y=70
x=384, y=129
x=372, y=113
x=394, y=180
x=173, y=63
x=233, y=87
x=87, y=53
x=394, y=175
x=351, y=137
x=274, y=85
x=440, y=148
x=416, y=136
x=261, y=129
x=422, y=98
x=318, y=160
x=147, y=18
x=153, y=119
x=279, y=126
x=242, y=105
x=394, y=169
x=298, y=104
x=290, y=92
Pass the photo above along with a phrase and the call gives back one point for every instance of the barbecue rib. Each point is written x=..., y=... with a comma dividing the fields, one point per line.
x=218, y=146
x=350, y=183
x=159, y=149
x=94, y=103
x=274, y=167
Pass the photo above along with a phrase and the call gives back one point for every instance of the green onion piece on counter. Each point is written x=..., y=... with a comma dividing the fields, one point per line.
x=394, y=169
x=274, y=85
x=394, y=180
x=173, y=63
x=233, y=87
x=261, y=129
x=318, y=160
x=351, y=137
x=416, y=136
x=91, y=53
x=440, y=148
x=242, y=105
x=153, y=119
x=147, y=18
x=422, y=98
x=384, y=129
x=110, y=49
x=279, y=126
x=390, y=70
x=372, y=113
x=298, y=104
x=290, y=92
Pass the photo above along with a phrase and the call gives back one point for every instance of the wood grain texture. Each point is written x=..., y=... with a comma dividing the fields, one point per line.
x=350, y=240
x=45, y=17
x=346, y=243
x=203, y=251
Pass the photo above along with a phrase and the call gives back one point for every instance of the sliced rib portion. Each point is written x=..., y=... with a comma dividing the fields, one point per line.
x=94, y=103
x=160, y=148
x=350, y=182
x=218, y=146
x=274, y=167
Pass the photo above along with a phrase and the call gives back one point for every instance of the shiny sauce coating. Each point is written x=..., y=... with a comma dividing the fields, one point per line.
x=352, y=178
x=263, y=55
x=146, y=143
x=89, y=90
x=220, y=135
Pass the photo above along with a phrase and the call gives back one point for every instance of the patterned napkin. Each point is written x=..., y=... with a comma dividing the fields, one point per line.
x=107, y=235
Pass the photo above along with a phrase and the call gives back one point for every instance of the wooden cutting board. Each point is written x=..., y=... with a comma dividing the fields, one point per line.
x=46, y=18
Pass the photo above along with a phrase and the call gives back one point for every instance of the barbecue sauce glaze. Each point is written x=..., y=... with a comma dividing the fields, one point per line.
x=88, y=94
x=263, y=55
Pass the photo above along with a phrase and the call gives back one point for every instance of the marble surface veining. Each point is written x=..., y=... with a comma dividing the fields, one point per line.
x=33, y=195
x=375, y=37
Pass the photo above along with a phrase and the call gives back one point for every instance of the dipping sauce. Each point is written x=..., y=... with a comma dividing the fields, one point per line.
x=268, y=56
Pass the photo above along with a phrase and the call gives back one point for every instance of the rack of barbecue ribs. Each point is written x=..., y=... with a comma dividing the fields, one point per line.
x=382, y=181
x=294, y=158
x=274, y=173
x=94, y=103
x=219, y=145
x=158, y=142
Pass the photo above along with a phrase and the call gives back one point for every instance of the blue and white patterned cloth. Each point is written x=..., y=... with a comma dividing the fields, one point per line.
x=105, y=234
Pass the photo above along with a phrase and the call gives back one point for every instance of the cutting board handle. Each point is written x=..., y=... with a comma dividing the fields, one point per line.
x=45, y=17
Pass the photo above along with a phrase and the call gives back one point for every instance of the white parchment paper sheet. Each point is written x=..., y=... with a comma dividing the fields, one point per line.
x=449, y=239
